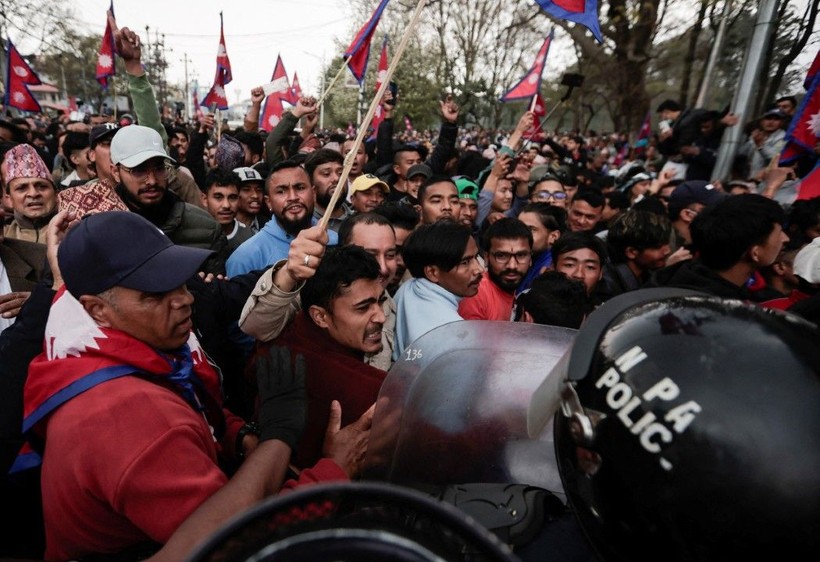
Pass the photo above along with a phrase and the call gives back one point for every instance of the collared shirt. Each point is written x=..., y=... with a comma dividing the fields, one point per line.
x=266, y=248
x=334, y=223
x=490, y=303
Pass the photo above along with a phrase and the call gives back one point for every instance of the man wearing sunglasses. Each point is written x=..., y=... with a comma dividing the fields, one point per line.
x=138, y=166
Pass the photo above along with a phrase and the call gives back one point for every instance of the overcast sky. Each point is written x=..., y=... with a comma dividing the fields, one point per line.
x=302, y=31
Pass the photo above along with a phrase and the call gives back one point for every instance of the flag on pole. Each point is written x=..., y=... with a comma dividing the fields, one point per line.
x=644, y=133
x=539, y=109
x=378, y=117
x=295, y=90
x=105, y=57
x=195, y=98
x=810, y=184
x=19, y=76
x=278, y=90
x=804, y=130
x=216, y=95
x=408, y=125
x=530, y=84
x=358, y=52
x=584, y=12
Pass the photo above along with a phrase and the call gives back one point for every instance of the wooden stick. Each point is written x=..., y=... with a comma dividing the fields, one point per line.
x=332, y=83
x=340, y=187
x=534, y=102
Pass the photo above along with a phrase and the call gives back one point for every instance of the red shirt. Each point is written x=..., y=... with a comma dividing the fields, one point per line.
x=490, y=303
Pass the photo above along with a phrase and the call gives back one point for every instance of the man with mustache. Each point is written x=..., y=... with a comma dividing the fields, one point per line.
x=291, y=198
x=324, y=167
x=32, y=193
x=138, y=166
x=443, y=259
x=120, y=352
x=508, y=247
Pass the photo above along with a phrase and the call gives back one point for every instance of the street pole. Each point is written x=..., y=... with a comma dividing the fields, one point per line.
x=746, y=86
x=187, y=89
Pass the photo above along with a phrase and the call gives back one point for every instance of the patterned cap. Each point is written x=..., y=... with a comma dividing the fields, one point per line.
x=22, y=161
x=229, y=153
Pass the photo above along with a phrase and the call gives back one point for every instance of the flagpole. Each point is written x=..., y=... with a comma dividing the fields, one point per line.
x=332, y=83
x=370, y=112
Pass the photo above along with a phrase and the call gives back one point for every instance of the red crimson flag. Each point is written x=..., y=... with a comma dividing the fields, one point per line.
x=216, y=95
x=19, y=76
x=279, y=90
x=378, y=117
x=105, y=57
x=359, y=50
x=530, y=84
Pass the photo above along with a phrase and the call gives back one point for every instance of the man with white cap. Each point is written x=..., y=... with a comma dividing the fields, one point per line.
x=138, y=165
x=251, y=197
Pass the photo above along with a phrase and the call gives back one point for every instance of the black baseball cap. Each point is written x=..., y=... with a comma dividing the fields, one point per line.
x=100, y=132
x=120, y=248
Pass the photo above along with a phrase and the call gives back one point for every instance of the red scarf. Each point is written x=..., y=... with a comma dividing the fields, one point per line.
x=79, y=355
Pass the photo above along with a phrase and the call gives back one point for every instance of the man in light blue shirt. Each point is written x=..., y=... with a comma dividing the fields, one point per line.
x=291, y=198
x=443, y=259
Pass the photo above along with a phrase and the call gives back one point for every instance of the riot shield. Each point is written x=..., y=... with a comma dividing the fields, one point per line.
x=455, y=407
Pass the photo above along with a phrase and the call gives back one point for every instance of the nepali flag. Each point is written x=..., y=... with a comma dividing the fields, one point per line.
x=278, y=90
x=295, y=90
x=378, y=117
x=644, y=133
x=358, y=52
x=530, y=84
x=408, y=125
x=584, y=12
x=19, y=76
x=539, y=109
x=810, y=184
x=195, y=98
x=813, y=70
x=105, y=58
x=802, y=134
x=222, y=60
x=216, y=95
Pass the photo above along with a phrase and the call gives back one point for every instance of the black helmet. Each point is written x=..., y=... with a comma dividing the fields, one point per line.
x=690, y=430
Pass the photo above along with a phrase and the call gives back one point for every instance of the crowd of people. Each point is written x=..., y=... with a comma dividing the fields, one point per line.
x=216, y=330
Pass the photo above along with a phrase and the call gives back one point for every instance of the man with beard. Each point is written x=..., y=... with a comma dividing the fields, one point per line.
x=638, y=245
x=443, y=259
x=508, y=247
x=290, y=198
x=138, y=166
x=324, y=167
x=275, y=299
x=438, y=200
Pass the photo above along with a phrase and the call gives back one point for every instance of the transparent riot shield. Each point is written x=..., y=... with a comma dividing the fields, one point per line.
x=455, y=407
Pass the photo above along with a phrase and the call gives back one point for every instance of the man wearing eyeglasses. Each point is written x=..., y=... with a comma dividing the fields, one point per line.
x=138, y=166
x=508, y=247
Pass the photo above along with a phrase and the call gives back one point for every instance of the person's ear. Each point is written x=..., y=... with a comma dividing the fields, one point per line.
x=115, y=172
x=432, y=273
x=553, y=237
x=319, y=316
x=631, y=253
x=97, y=309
